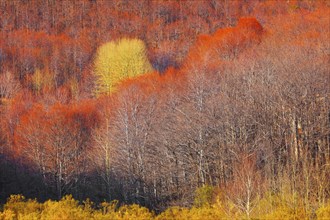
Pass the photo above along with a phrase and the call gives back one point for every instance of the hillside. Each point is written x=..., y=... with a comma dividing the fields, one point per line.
x=187, y=108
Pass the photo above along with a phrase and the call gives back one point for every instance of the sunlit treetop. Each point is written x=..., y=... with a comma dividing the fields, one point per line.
x=118, y=60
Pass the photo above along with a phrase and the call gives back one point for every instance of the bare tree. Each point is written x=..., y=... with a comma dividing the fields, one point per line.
x=9, y=86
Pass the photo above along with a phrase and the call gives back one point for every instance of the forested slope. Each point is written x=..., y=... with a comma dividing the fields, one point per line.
x=219, y=106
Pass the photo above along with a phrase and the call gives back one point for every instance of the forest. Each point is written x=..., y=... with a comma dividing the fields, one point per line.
x=165, y=109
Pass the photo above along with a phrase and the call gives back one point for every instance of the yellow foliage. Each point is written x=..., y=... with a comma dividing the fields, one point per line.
x=66, y=209
x=174, y=213
x=41, y=80
x=108, y=211
x=125, y=212
x=134, y=212
x=206, y=213
x=323, y=212
x=8, y=215
x=109, y=207
x=200, y=213
x=37, y=80
x=203, y=196
x=74, y=87
x=17, y=207
x=281, y=206
x=118, y=60
x=278, y=206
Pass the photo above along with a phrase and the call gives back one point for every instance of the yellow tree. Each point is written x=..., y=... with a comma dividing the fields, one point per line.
x=118, y=60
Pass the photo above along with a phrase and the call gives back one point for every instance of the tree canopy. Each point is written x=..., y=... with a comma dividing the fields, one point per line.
x=118, y=60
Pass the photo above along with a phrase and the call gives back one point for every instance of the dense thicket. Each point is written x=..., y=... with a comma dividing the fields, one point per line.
x=239, y=101
x=270, y=207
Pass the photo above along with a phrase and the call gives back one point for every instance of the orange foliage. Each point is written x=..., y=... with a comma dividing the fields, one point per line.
x=225, y=44
x=54, y=141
